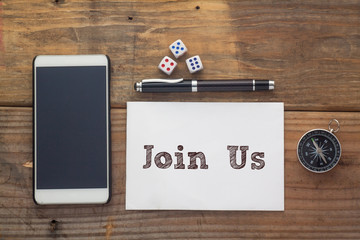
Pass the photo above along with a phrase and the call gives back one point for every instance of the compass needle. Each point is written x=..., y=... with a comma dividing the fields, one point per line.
x=318, y=150
x=322, y=156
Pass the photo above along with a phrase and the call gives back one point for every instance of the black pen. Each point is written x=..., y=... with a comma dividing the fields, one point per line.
x=188, y=85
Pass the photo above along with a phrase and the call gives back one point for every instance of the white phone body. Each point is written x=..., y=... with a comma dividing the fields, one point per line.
x=71, y=137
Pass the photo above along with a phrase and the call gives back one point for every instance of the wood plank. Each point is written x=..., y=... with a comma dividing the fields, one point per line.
x=316, y=205
x=311, y=49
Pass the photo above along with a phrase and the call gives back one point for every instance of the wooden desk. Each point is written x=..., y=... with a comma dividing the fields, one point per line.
x=311, y=50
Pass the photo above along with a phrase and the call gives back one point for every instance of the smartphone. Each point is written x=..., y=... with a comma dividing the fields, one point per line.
x=71, y=129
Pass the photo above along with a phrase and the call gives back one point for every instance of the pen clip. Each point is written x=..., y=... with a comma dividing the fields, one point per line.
x=156, y=80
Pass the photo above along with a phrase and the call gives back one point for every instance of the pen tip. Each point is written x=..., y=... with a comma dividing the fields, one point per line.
x=137, y=86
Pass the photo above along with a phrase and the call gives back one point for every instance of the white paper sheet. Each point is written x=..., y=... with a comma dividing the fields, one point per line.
x=205, y=129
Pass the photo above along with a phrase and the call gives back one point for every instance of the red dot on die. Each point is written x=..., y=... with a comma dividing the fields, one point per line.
x=162, y=65
x=172, y=64
x=168, y=69
x=166, y=60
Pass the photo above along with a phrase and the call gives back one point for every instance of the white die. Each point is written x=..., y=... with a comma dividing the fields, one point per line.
x=178, y=48
x=194, y=64
x=167, y=65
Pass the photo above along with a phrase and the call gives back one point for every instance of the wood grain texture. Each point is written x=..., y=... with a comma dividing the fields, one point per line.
x=310, y=48
x=317, y=206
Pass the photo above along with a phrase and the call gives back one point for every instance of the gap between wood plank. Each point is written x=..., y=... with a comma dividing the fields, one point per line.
x=120, y=108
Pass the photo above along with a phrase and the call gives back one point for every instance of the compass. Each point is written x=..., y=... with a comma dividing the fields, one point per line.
x=319, y=150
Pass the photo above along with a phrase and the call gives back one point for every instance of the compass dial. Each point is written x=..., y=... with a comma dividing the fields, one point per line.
x=319, y=150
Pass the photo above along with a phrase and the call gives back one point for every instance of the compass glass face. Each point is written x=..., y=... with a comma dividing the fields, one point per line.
x=319, y=150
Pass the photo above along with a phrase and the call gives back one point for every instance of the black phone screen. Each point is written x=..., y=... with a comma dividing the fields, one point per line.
x=71, y=136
